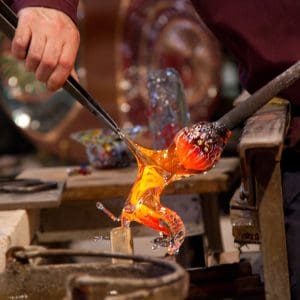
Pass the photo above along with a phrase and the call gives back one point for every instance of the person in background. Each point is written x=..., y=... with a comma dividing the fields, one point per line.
x=264, y=37
x=47, y=38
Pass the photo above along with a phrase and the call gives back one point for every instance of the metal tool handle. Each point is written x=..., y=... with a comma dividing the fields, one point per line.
x=248, y=107
x=9, y=22
x=75, y=89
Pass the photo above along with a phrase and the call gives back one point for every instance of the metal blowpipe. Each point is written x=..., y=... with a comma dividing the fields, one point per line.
x=254, y=102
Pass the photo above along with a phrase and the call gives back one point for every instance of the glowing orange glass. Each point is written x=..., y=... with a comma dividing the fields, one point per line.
x=194, y=150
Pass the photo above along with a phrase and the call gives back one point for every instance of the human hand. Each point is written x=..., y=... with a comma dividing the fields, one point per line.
x=48, y=41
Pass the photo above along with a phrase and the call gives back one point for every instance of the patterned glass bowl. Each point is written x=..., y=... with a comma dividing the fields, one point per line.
x=104, y=148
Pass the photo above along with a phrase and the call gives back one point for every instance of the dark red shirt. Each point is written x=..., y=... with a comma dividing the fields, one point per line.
x=264, y=36
x=69, y=7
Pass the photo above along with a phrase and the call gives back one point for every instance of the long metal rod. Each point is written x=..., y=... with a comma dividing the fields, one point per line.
x=81, y=95
x=9, y=22
x=248, y=107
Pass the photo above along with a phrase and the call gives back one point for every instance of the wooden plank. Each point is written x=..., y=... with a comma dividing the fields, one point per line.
x=116, y=183
x=267, y=128
x=260, y=152
x=271, y=221
x=41, y=199
x=18, y=227
x=264, y=131
x=211, y=218
x=121, y=242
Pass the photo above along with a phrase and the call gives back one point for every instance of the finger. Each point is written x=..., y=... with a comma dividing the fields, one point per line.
x=75, y=74
x=21, y=40
x=50, y=58
x=63, y=68
x=35, y=52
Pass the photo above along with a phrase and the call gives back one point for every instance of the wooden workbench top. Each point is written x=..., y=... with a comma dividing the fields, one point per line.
x=116, y=183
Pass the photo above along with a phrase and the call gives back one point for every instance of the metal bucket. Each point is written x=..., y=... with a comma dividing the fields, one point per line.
x=139, y=277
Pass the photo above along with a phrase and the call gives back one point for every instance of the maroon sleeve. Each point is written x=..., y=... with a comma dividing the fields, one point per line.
x=69, y=7
x=263, y=35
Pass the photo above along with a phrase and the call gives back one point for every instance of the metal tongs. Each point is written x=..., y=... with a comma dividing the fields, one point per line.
x=26, y=185
x=8, y=24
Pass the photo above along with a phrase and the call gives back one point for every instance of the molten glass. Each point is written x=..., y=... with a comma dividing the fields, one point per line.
x=194, y=150
x=200, y=146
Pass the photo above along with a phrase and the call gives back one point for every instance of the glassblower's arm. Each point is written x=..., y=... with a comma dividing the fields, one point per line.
x=8, y=24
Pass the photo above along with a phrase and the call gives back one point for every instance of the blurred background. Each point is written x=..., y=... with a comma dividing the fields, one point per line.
x=122, y=42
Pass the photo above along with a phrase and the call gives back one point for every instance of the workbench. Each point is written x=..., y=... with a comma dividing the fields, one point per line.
x=76, y=216
x=257, y=209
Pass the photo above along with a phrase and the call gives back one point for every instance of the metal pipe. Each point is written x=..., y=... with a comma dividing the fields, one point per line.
x=253, y=103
